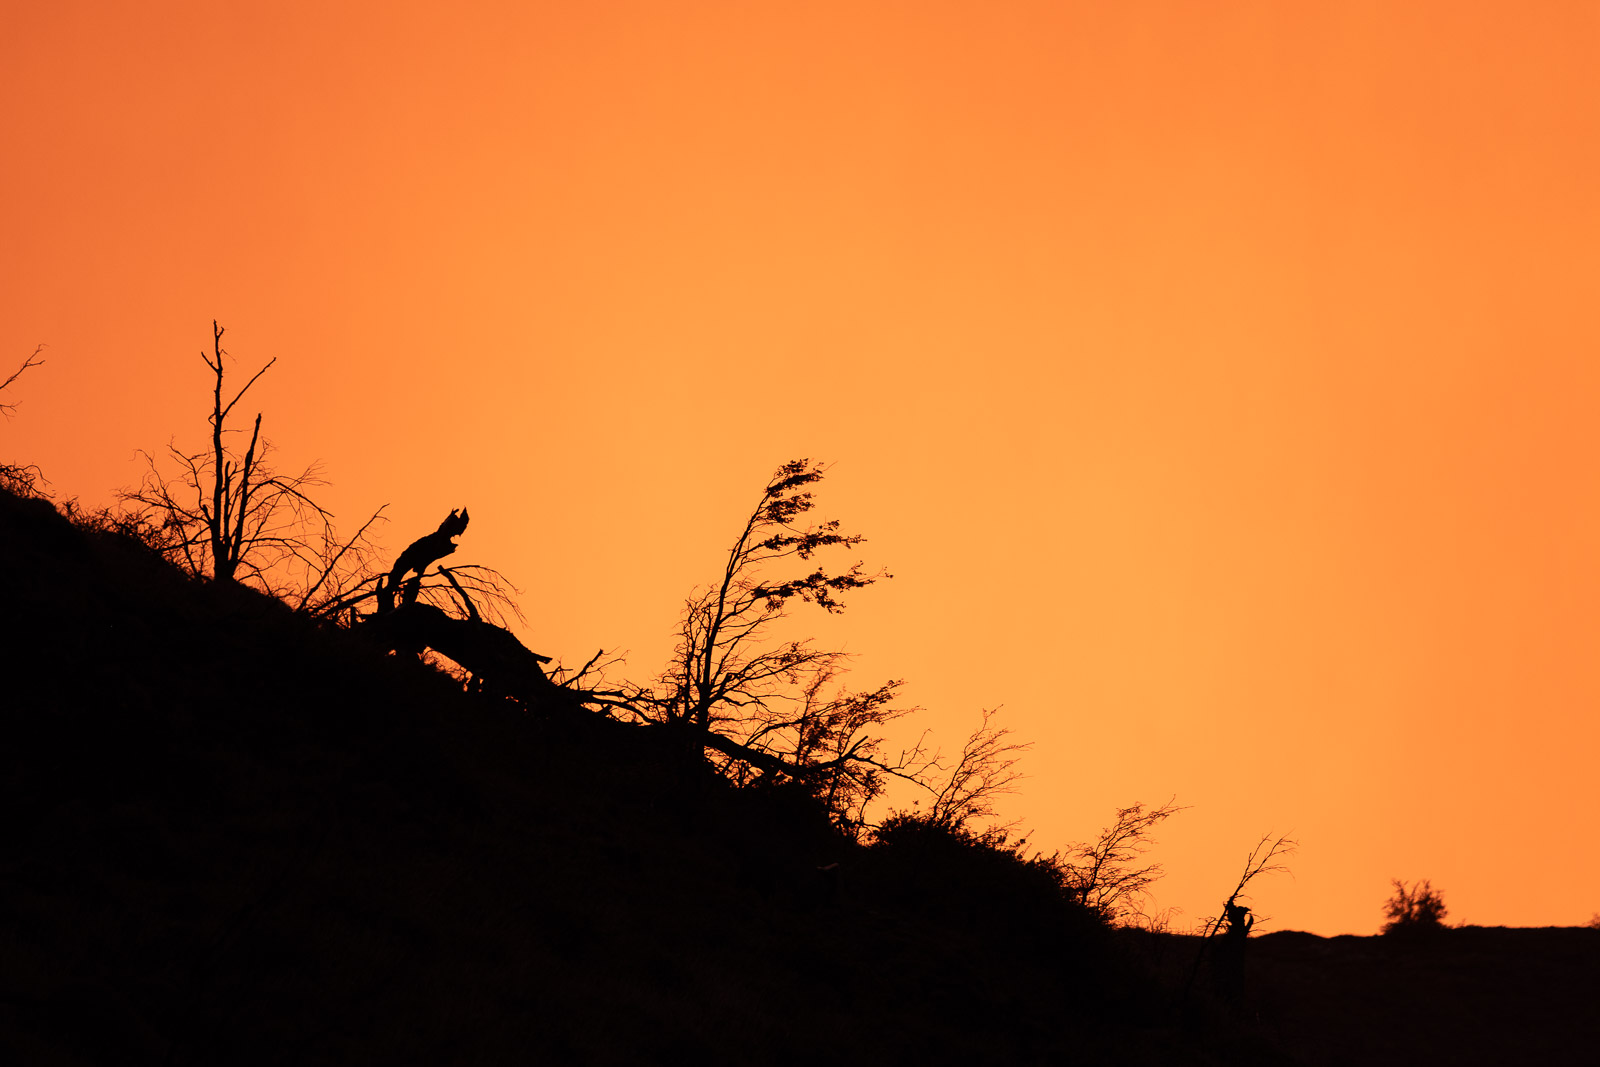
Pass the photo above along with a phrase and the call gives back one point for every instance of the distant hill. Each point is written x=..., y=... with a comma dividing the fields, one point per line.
x=1468, y=995
x=238, y=837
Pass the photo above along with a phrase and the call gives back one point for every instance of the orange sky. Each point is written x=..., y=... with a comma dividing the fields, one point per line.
x=1218, y=380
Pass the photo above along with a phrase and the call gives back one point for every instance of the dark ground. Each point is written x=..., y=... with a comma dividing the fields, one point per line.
x=236, y=838
x=1467, y=995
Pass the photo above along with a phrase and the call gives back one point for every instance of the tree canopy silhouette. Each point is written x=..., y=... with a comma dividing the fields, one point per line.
x=765, y=706
x=1414, y=909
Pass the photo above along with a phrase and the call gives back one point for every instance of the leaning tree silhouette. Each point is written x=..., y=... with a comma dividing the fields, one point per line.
x=770, y=710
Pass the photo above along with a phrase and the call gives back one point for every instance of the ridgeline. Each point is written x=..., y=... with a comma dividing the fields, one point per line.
x=241, y=837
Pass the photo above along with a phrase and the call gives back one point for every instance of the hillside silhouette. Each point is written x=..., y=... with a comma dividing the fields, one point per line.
x=248, y=838
x=243, y=837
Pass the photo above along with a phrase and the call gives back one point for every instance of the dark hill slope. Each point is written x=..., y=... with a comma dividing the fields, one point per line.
x=235, y=838
x=1468, y=996
x=1464, y=996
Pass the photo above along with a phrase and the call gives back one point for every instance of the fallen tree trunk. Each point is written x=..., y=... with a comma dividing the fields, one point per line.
x=499, y=664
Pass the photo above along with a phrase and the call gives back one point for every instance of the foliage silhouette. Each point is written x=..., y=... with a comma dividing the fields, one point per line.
x=770, y=707
x=983, y=877
x=1415, y=909
x=723, y=676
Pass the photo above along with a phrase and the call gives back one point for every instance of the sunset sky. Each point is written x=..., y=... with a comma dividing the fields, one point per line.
x=1219, y=380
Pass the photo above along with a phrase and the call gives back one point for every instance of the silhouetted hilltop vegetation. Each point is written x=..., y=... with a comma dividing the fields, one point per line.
x=248, y=837
x=243, y=835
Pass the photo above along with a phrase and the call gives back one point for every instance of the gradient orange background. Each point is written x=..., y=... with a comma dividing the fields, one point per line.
x=1219, y=380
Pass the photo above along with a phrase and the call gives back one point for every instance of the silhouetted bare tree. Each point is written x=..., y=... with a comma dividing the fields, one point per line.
x=984, y=772
x=1265, y=858
x=233, y=518
x=1108, y=873
x=1235, y=922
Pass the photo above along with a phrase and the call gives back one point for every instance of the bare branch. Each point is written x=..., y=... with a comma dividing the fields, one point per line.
x=332, y=563
x=248, y=384
x=982, y=774
x=32, y=361
x=466, y=601
x=1234, y=917
x=1107, y=873
x=1263, y=859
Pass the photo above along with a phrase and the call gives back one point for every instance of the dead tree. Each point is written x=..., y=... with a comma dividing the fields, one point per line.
x=496, y=662
x=232, y=518
x=1235, y=921
x=425, y=551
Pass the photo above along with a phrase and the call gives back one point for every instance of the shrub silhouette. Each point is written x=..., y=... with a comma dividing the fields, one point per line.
x=1414, y=909
x=982, y=876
